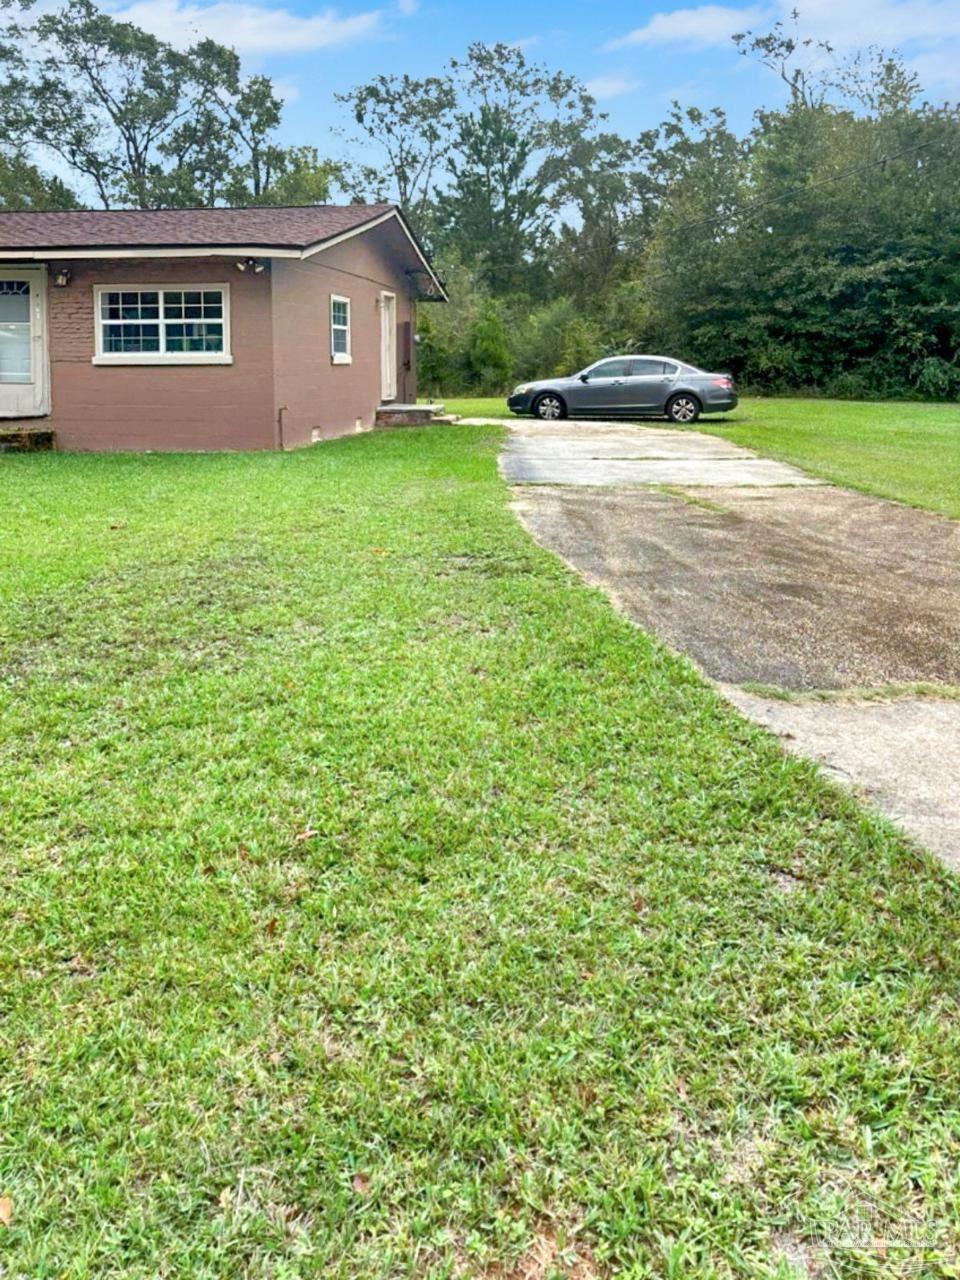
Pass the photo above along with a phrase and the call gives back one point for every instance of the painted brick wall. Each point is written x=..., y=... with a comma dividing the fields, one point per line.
x=317, y=395
x=162, y=407
x=280, y=341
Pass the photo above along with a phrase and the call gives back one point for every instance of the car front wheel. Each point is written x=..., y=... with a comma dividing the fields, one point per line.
x=549, y=408
x=683, y=409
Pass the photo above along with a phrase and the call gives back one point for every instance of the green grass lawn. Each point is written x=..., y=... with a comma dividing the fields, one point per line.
x=910, y=452
x=379, y=903
x=478, y=407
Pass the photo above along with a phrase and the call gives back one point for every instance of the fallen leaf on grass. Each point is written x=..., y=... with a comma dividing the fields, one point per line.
x=6, y=1211
x=271, y=927
x=361, y=1184
x=308, y=834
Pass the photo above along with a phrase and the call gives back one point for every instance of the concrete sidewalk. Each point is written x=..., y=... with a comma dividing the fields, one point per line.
x=601, y=453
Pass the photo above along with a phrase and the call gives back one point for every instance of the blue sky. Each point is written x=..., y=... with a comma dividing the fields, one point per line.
x=634, y=56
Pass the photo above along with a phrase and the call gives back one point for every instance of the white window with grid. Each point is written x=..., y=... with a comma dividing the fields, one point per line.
x=340, y=351
x=144, y=324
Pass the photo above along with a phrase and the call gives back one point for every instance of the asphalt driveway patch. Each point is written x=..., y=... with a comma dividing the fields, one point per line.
x=797, y=586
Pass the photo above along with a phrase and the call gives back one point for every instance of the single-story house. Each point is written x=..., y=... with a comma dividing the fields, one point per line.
x=261, y=328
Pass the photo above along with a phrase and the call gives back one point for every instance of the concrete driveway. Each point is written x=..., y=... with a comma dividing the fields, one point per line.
x=766, y=577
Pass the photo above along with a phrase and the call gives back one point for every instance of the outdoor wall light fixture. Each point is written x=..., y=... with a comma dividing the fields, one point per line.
x=251, y=264
x=62, y=277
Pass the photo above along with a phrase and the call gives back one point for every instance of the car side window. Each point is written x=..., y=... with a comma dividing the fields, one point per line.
x=647, y=369
x=610, y=369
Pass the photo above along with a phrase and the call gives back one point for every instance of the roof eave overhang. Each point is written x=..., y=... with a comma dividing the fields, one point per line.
x=391, y=214
x=52, y=253
x=56, y=253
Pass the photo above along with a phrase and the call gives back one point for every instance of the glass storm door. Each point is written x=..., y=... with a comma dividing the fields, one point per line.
x=23, y=342
x=388, y=346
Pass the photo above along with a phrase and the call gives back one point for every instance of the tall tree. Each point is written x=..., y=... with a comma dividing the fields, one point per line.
x=139, y=121
x=833, y=261
x=795, y=58
x=515, y=126
x=606, y=202
x=410, y=122
x=24, y=186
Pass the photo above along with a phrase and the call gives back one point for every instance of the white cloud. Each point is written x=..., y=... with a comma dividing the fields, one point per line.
x=890, y=23
x=604, y=87
x=846, y=24
x=249, y=28
x=700, y=28
x=408, y=7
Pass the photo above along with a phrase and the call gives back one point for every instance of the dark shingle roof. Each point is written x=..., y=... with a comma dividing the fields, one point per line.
x=262, y=228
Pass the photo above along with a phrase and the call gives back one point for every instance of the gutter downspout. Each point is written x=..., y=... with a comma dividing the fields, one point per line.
x=280, y=412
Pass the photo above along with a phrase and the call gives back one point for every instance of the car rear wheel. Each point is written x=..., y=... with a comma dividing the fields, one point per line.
x=683, y=408
x=549, y=408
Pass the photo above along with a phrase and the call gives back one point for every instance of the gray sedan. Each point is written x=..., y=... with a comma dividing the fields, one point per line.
x=628, y=386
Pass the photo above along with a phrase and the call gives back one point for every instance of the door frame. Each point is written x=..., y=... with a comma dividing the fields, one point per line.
x=39, y=340
x=388, y=346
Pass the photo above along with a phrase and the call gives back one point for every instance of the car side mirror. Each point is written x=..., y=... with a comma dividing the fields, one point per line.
x=584, y=377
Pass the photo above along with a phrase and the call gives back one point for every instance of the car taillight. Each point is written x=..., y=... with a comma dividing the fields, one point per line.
x=726, y=383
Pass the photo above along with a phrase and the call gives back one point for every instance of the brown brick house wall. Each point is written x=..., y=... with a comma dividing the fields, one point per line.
x=319, y=397
x=278, y=384
x=161, y=407
x=280, y=343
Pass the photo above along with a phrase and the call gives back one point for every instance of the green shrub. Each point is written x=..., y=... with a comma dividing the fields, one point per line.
x=939, y=379
x=488, y=356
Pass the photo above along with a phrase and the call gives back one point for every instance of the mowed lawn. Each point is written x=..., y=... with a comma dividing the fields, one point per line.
x=379, y=903
x=910, y=452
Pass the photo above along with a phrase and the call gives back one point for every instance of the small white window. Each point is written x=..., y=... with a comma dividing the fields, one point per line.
x=140, y=324
x=340, y=330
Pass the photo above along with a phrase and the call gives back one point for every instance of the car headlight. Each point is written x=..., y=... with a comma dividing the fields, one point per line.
x=523, y=388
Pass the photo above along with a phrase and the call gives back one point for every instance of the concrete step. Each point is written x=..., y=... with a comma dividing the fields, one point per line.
x=407, y=415
x=20, y=439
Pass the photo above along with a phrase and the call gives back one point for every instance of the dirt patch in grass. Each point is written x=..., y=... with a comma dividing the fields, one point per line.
x=804, y=1259
x=554, y=1253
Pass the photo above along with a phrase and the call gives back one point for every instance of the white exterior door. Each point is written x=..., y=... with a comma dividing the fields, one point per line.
x=388, y=346
x=23, y=342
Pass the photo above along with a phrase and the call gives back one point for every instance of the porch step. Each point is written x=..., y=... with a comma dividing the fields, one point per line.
x=407, y=415
x=19, y=439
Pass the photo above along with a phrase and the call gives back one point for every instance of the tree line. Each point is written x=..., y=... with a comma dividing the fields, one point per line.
x=818, y=250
